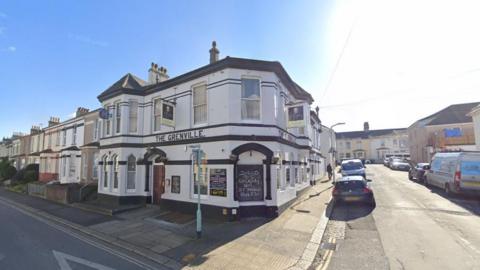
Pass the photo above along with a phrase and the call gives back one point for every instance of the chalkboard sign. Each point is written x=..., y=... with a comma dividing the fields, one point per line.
x=250, y=183
x=175, y=184
x=218, y=182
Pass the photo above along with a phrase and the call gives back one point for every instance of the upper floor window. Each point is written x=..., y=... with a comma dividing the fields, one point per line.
x=394, y=141
x=74, y=139
x=118, y=116
x=157, y=114
x=64, y=139
x=348, y=145
x=57, y=141
x=132, y=116
x=108, y=122
x=250, y=99
x=200, y=104
x=95, y=130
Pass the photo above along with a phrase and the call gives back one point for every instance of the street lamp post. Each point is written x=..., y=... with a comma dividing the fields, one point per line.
x=332, y=149
x=197, y=156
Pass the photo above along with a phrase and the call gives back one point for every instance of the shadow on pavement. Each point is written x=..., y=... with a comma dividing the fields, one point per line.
x=467, y=202
x=349, y=211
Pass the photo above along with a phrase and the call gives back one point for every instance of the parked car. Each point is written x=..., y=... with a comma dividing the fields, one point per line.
x=386, y=161
x=400, y=164
x=417, y=172
x=455, y=172
x=353, y=167
x=353, y=189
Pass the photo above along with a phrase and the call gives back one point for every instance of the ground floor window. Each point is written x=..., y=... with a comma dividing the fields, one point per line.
x=297, y=179
x=71, y=168
x=287, y=176
x=131, y=171
x=115, y=171
x=278, y=178
x=105, y=172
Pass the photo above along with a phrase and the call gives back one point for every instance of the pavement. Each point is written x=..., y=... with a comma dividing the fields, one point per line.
x=411, y=227
x=289, y=241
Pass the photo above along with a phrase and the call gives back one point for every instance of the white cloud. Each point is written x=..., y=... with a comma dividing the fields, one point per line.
x=404, y=61
x=87, y=40
x=12, y=49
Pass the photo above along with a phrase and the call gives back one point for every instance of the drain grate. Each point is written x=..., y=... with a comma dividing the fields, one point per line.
x=328, y=246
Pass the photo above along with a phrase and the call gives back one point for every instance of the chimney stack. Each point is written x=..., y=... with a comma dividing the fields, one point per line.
x=53, y=121
x=81, y=111
x=157, y=74
x=317, y=109
x=35, y=130
x=214, y=52
x=366, y=126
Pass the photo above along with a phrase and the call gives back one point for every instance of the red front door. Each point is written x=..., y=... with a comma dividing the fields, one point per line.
x=158, y=183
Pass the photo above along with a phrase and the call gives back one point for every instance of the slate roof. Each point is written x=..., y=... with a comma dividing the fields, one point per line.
x=453, y=114
x=130, y=84
x=367, y=134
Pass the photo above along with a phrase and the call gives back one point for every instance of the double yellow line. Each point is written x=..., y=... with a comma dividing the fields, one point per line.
x=327, y=256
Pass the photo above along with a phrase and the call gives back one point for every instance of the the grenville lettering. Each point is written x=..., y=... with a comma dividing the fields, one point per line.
x=181, y=136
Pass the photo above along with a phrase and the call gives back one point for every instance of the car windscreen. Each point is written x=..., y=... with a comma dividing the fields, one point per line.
x=352, y=166
x=350, y=185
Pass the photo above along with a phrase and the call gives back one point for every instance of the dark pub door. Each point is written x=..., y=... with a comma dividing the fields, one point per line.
x=158, y=183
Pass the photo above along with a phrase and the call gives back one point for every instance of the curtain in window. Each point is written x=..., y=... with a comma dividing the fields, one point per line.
x=132, y=116
x=71, y=167
x=200, y=104
x=118, y=115
x=131, y=170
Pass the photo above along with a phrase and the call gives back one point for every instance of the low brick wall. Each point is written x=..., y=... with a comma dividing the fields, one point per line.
x=47, y=177
x=57, y=193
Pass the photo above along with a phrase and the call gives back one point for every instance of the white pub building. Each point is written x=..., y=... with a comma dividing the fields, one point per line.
x=250, y=118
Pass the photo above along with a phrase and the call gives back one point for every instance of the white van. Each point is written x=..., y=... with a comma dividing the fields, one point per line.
x=457, y=172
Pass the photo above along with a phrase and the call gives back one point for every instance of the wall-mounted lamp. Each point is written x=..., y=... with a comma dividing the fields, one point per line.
x=233, y=157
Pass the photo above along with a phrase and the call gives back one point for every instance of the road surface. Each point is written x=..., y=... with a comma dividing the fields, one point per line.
x=411, y=227
x=28, y=243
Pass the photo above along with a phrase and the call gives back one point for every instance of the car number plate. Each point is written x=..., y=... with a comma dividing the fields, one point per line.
x=352, y=199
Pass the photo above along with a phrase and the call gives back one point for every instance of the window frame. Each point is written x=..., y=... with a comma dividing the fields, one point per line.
x=107, y=123
x=130, y=171
x=105, y=172
x=130, y=102
x=260, y=116
x=118, y=117
x=204, y=84
x=115, y=172
x=154, y=115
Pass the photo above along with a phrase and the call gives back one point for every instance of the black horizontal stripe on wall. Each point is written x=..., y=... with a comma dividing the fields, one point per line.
x=109, y=162
x=212, y=126
x=122, y=163
x=211, y=139
x=78, y=155
x=215, y=86
x=100, y=163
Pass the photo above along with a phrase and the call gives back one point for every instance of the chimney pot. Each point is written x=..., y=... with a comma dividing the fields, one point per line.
x=366, y=126
x=214, y=52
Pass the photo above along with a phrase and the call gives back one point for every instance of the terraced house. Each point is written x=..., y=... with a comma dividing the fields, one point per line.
x=250, y=118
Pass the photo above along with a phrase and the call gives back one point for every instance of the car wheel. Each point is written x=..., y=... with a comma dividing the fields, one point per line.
x=410, y=176
x=425, y=182
x=447, y=190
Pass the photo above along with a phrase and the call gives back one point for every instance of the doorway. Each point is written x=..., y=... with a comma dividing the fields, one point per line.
x=158, y=183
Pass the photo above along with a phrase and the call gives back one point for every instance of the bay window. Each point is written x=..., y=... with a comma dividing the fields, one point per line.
x=118, y=116
x=131, y=171
x=250, y=99
x=132, y=116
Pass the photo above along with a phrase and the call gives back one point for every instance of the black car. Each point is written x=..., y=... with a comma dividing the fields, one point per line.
x=417, y=172
x=354, y=189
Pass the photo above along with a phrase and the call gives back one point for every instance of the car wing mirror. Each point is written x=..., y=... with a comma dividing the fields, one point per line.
x=426, y=167
x=368, y=180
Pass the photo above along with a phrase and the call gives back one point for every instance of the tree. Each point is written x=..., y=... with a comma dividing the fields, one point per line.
x=6, y=169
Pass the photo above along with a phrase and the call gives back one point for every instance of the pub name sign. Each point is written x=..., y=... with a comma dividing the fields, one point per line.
x=180, y=136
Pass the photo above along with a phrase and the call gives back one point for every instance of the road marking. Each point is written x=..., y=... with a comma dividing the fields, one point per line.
x=63, y=258
x=69, y=231
x=327, y=256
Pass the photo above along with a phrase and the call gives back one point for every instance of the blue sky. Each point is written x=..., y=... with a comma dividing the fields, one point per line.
x=58, y=55
x=360, y=60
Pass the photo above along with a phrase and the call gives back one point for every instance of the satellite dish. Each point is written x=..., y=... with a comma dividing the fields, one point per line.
x=103, y=113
